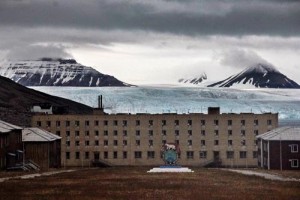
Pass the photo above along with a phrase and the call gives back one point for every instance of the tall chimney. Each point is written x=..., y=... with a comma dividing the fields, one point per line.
x=100, y=105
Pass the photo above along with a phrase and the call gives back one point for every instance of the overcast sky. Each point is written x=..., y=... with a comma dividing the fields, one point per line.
x=155, y=41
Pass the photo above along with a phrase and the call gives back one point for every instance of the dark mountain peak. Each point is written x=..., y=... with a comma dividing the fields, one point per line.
x=259, y=76
x=60, y=60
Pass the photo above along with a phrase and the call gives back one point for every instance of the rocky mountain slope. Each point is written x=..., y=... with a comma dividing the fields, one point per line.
x=258, y=76
x=56, y=72
x=195, y=81
x=16, y=100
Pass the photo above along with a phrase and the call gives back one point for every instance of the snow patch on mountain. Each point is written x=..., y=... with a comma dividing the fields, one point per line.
x=195, y=80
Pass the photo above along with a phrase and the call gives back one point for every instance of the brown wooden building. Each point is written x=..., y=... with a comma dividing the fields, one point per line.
x=42, y=148
x=11, y=151
x=279, y=149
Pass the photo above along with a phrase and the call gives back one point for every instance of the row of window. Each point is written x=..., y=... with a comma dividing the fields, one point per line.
x=3, y=142
x=152, y=154
x=150, y=133
x=150, y=142
x=150, y=123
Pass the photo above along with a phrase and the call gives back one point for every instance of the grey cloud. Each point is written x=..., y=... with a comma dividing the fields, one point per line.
x=239, y=58
x=188, y=18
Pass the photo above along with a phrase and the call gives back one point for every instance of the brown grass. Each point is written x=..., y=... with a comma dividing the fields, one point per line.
x=135, y=183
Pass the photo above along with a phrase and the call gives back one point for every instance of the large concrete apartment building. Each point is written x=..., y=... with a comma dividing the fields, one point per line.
x=226, y=139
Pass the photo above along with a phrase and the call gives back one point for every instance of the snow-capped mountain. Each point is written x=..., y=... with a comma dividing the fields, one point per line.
x=196, y=81
x=258, y=76
x=56, y=72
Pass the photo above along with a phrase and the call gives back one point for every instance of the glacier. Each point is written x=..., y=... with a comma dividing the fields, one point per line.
x=159, y=99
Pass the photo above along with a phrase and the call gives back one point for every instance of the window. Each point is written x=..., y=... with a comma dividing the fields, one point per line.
x=202, y=142
x=105, y=122
x=105, y=133
x=229, y=132
x=96, y=142
x=124, y=142
x=87, y=123
x=177, y=132
x=77, y=143
x=190, y=132
x=255, y=142
x=96, y=133
x=150, y=122
x=87, y=143
x=190, y=122
x=190, y=155
x=294, y=148
x=254, y=153
x=163, y=122
x=96, y=122
x=216, y=142
x=176, y=122
x=68, y=143
x=243, y=154
x=124, y=133
x=256, y=122
x=124, y=154
x=177, y=142
x=124, y=123
x=230, y=154
x=137, y=132
x=115, y=133
x=115, y=142
x=105, y=155
x=150, y=132
x=105, y=142
x=87, y=133
x=115, y=154
x=67, y=133
x=77, y=155
x=57, y=132
x=137, y=154
x=203, y=122
x=164, y=141
x=87, y=155
x=255, y=132
x=67, y=155
x=229, y=142
x=269, y=122
x=243, y=142
x=294, y=163
x=243, y=132
x=137, y=122
x=77, y=123
x=137, y=142
x=243, y=122
x=216, y=132
x=115, y=122
x=203, y=154
x=48, y=123
x=229, y=122
x=190, y=143
x=203, y=132
x=77, y=133
x=216, y=122
x=57, y=123
x=68, y=123
x=164, y=132
x=151, y=154
x=150, y=142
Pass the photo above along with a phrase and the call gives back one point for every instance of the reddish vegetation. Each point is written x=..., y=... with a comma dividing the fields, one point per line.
x=135, y=183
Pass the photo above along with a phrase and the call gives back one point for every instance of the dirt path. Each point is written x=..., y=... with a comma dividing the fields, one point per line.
x=264, y=175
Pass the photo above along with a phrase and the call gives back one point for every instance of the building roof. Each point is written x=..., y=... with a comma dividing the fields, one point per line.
x=7, y=127
x=286, y=133
x=38, y=135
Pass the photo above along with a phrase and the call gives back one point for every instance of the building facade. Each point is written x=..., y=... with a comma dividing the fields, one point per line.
x=279, y=149
x=136, y=139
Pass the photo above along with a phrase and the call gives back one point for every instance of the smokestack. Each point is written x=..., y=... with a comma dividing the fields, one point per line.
x=100, y=102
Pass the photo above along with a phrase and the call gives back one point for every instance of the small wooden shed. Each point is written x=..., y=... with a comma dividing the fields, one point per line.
x=42, y=148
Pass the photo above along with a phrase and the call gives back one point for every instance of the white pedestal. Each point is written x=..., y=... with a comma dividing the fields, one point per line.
x=170, y=170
